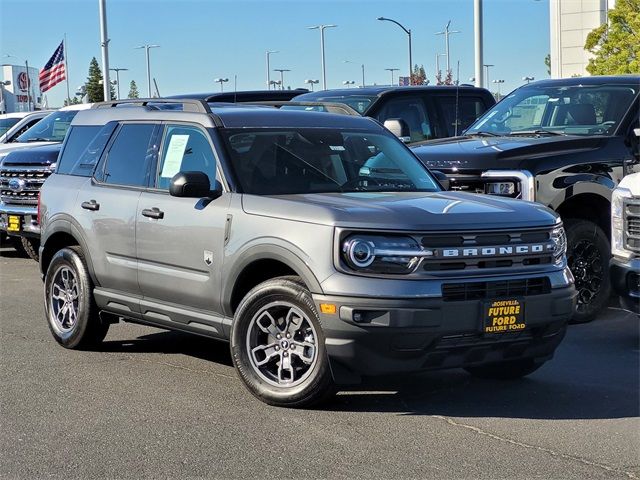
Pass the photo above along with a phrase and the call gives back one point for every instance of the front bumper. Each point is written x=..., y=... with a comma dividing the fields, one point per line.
x=625, y=281
x=28, y=216
x=411, y=335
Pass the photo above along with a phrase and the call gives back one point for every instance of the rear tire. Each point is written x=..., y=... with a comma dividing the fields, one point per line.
x=277, y=345
x=70, y=308
x=505, y=370
x=31, y=246
x=588, y=256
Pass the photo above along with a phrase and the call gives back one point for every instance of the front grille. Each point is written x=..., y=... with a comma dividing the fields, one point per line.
x=632, y=224
x=30, y=178
x=452, y=292
x=473, y=250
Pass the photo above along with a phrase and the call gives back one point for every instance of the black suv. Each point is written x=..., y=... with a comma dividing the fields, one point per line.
x=563, y=143
x=427, y=112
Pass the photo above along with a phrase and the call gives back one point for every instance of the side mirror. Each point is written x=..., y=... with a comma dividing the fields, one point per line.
x=442, y=178
x=399, y=128
x=192, y=185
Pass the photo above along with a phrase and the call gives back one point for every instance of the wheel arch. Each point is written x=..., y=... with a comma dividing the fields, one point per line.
x=594, y=207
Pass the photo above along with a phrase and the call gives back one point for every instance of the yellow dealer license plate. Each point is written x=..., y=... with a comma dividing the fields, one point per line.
x=13, y=223
x=504, y=316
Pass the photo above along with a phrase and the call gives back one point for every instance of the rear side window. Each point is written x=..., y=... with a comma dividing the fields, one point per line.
x=468, y=110
x=130, y=156
x=83, y=148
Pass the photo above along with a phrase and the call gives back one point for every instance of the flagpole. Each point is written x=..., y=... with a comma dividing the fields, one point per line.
x=66, y=68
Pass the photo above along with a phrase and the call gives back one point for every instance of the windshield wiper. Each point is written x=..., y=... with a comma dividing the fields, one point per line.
x=481, y=134
x=535, y=132
x=39, y=139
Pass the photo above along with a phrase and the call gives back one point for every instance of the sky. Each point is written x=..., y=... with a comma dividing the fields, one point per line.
x=201, y=40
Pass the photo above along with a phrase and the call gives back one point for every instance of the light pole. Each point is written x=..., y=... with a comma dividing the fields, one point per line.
x=391, y=70
x=311, y=82
x=477, y=34
x=269, y=52
x=275, y=83
x=221, y=81
x=408, y=32
x=486, y=76
x=146, y=49
x=281, y=70
x=26, y=66
x=104, y=44
x=438, y=55
x=348, y=83
x=528, y=79
x=446, y=34
x=362, y=66
x=324, y=72
x=118, y=70
x=498, y=82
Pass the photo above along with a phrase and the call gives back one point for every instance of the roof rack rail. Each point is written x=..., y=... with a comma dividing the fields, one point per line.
x=331, y=107
x=188, y=105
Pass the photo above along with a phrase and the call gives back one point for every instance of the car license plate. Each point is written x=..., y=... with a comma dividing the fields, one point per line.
x=504, y=316
x=13, y=223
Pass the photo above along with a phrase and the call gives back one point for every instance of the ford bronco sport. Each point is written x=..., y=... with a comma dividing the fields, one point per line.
x=316, y=244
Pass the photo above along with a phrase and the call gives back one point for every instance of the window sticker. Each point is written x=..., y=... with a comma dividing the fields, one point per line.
x=173, y=157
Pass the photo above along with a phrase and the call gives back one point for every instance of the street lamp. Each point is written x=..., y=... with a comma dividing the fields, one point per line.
x=281, y=70
x=348, y=83
x=146, y=49
x=275, y=83
x=446, y=34
x=321, y=28
x=269, y=52
x=392, y=70
x=498, y=82
x=408, y=32
x=118, y=70
x=221, y=81
x=528, y=79
x=312, y=83
x=26, y=66
x=362, y=66
x=486, y=76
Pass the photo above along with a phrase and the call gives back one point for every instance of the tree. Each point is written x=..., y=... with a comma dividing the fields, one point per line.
x=74, y=101
x=94, y=89
x=133, y=90
x=616, y=45
x=418, y=76
x=547, y=62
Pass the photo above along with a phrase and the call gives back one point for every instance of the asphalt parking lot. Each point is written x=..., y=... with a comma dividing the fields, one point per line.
x=158, y=404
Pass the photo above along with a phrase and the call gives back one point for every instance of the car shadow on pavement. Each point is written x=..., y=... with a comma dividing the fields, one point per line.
x=172, y=342
x=9, y=252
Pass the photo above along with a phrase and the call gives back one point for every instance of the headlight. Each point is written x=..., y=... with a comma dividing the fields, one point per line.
x=617, y=222
x=559, y=238
x=382, y=254
x=500, y=188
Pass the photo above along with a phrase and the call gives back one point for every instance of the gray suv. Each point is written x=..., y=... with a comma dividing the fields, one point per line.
x=316, y=244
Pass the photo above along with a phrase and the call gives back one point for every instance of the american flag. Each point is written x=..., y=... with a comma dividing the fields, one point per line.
x=53, y=72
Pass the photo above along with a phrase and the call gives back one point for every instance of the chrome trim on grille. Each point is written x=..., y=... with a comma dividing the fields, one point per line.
x=631, y=219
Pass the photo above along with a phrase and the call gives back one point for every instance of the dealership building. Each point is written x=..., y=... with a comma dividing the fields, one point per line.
x=19, y=89
x=570, y=23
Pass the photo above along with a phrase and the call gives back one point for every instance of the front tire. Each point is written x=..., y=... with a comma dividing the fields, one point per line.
x=588, y=256
x=277, y=345
x=70, y=308
x=505, y=370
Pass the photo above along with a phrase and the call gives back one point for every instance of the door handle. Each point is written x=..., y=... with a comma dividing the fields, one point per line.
x=90, y=205
x=154, y=212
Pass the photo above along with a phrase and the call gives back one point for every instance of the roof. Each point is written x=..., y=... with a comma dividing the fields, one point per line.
x=217, y=115
x=24, y=114
x=595, y=80
x=244, y=96
x=378, y=90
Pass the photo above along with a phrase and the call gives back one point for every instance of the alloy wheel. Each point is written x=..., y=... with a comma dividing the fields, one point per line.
x=63, y=300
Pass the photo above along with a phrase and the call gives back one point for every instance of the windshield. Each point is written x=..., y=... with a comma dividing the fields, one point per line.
x=322, y=160
x=360, y=103
x=51, y=128
x=6, y=124
x=564, y=110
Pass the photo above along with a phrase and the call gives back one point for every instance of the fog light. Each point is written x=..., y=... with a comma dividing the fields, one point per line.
x=500, y=188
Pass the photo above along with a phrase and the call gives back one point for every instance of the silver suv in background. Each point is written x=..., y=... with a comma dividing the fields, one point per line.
x=316, y=244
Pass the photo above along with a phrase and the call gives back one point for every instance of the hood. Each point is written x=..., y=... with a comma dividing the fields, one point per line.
x=468, y=153
x=403, y=211
x=38, y=155
x=5, y=148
